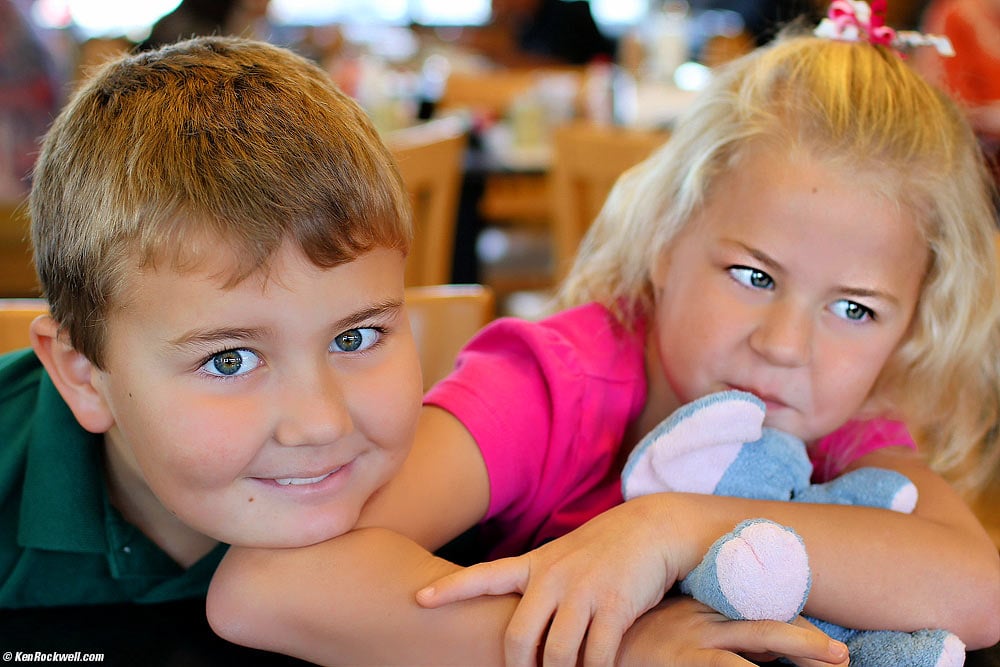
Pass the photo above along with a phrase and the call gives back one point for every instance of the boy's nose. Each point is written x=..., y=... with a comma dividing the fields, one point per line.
x=312, y=412
x=784, y=336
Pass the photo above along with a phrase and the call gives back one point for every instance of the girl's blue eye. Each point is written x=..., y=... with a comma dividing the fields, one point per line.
x=852, y=310
x=355, y=340
x=751, y=277
x=230, y=363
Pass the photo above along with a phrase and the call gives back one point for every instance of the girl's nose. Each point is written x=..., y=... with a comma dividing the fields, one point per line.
x=314, y=411
x=784, y=336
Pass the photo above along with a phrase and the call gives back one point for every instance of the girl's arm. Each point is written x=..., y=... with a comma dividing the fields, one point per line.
x=872, y=568
x=349, y=601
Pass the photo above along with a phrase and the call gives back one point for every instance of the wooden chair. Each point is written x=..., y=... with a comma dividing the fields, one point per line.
x=15, y=316
x=430, y=158
x=491, y=92
x=17, y=275
x=587, y=160
x=444, y=318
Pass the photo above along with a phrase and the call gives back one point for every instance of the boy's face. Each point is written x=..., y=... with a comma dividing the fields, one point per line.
x=265, y=414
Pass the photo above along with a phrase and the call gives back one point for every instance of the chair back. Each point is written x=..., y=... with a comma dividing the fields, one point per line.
x=587, y=160
x=430, y=157
x=444, y=318
x=17, y=274
x=15, y=317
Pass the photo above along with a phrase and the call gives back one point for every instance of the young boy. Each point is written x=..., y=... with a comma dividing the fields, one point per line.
x=220, y=235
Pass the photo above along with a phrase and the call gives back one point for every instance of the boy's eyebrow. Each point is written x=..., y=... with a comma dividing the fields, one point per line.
x=363, y=316
x=208, y=336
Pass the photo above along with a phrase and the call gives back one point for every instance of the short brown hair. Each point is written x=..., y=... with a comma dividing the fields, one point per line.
x=220, y=138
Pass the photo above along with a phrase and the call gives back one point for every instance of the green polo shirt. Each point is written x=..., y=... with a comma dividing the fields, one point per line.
x=61, y=541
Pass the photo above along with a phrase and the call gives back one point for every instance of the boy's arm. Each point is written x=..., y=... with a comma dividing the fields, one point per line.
x=350, y=601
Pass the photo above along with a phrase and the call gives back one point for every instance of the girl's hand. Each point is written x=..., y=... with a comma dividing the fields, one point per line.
x=683, y=632
x=594, y=583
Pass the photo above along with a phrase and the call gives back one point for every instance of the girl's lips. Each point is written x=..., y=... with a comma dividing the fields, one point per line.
x=769, y=400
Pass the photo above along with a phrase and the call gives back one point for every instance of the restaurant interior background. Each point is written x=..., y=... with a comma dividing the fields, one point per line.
x=508, y=158
x=407, y=61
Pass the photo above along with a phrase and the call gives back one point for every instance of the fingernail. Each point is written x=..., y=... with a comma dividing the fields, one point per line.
x=838, y=650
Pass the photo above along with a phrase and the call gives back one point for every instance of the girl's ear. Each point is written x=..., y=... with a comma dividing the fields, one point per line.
x=661, y=264
x=73, y=374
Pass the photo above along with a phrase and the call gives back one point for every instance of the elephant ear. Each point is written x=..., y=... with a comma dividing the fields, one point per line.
x=692, y=448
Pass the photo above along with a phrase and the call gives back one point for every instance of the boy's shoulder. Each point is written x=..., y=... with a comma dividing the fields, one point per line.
x=21, y=375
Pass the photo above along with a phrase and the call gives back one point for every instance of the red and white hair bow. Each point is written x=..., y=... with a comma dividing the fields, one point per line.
x=855, y=21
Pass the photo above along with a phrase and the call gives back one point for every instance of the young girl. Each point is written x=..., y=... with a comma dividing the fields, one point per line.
x=818, y=232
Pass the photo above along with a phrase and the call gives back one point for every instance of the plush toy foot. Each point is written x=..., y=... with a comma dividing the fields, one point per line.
x=885, y=648
x=691, y=449
x=870, y=487
x=760, y=571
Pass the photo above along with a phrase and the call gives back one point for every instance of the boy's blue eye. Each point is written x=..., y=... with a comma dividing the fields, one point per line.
x=355, y=340
x=852, y=310
x=751, y=277
x=230, y=363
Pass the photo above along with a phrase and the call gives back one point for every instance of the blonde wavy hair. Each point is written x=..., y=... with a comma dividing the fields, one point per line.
x=212, y=142
x=861, y=109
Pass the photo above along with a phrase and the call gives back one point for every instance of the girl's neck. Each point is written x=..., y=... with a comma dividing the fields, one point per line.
x=660, y=399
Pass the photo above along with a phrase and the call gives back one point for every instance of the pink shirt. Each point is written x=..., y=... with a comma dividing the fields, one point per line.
x=548, y=404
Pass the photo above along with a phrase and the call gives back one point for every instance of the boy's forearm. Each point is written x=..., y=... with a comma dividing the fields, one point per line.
x=351, y=601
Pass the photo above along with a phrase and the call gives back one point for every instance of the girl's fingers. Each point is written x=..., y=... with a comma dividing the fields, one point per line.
x=527, y=629
x=804, y=646
x=499, y=577
x=603, y=639
x=565, y=636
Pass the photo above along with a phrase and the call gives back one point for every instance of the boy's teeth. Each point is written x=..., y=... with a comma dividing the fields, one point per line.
x=302, y=480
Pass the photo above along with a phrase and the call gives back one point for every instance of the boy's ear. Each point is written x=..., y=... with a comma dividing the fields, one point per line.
x=72, y=373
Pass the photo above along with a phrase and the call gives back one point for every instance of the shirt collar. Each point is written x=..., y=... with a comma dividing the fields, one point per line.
x=62, y=505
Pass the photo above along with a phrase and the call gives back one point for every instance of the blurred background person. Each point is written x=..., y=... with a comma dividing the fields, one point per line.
x=244, y=18
x=972, y=76
x=29, y=97
x=540, y=32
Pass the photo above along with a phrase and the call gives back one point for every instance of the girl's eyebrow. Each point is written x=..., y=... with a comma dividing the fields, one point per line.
x=861, y=292
x=857, y=292
x=202, y=337
x=761, y=256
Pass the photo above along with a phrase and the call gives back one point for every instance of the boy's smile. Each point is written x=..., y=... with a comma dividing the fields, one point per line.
x=264, y=414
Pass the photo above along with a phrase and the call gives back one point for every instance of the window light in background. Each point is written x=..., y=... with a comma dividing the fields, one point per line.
x=102, y=18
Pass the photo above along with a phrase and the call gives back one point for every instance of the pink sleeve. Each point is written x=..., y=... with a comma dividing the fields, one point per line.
x=548, y=404
x=831, y=455
x=499, y=393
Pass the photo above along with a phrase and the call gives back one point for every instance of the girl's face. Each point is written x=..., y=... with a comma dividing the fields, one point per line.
x=265, y=414
x=795, y=283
